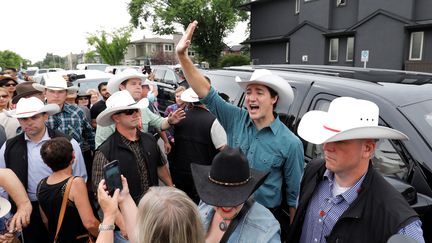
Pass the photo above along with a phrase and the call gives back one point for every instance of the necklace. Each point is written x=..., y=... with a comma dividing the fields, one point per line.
x=223, y=226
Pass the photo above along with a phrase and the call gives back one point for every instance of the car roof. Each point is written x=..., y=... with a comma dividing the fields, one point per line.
x=398, y=87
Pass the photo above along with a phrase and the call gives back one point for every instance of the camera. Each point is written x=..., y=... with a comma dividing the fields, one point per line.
x=73, y=77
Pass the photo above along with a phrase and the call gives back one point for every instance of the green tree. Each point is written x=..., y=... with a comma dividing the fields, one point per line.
x=52, y=61
x=216, y=18
x=111, y=46
x=10, y=59
x=90, y=56
x=234, y=60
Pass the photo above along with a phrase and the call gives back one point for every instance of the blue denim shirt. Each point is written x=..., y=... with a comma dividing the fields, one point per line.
x=258, y=225
x=274, y=148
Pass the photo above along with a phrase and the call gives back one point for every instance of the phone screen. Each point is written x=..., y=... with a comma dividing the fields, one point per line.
x=112, y=176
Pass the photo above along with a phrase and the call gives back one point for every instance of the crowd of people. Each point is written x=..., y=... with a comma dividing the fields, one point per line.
x=226, y=171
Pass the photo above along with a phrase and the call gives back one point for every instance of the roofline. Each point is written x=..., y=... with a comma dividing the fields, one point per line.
x=273, y=39
x=383, y=12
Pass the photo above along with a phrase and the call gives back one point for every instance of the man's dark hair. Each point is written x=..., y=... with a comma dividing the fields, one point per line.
x=102, y=84
x=273, y=94
x=57, y=153
x=10, y=68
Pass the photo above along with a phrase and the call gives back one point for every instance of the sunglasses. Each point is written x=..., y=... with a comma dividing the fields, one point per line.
x=10, y=85
x=4, y=96
x=127, y=112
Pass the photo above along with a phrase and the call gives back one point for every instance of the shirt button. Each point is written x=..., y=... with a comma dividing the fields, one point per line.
x=320, y=220
x=316, y=240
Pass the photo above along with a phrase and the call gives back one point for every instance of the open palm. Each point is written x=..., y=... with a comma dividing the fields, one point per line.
x=186, y=39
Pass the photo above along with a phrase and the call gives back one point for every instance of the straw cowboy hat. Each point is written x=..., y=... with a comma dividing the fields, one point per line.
x=54, y=81
x=119, y=101
x=347, y=118
x=5, y=207
x=278, y=84
x=24, y=89
x=229, y=181
x=28, y=107
x=114, y=83
x=189, y=95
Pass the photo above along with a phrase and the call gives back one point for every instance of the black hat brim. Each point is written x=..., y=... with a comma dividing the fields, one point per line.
x=221, y=195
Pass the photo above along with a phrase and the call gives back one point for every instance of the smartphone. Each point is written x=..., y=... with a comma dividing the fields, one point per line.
x=112, y=176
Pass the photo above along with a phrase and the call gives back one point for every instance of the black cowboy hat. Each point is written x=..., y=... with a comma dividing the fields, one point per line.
x=229, y=181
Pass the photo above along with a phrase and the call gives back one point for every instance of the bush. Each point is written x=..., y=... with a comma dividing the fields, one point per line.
x=234, y=60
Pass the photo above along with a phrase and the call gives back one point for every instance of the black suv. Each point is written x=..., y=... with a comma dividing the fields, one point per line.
x=405, y=102
x=167, y=81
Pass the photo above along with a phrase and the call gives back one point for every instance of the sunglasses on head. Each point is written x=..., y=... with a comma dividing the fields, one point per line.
x=128, y=112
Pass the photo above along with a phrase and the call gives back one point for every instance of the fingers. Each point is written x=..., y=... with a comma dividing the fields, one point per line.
x=190, y=30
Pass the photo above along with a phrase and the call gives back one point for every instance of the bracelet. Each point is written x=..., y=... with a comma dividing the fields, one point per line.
x=103, y=227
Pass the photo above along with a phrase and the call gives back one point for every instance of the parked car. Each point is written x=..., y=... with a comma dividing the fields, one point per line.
x=405, y=103
x=166, y=80
x=91, y=80
x=38, y=74
x=92, y=66
x=117, y=69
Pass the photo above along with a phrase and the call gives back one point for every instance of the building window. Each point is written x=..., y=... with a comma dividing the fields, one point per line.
x=416, y=46
x=340, y=3
x=168, y=47
x=334, y=50
x=287, y=52
x=350, y=49
x=297, y=6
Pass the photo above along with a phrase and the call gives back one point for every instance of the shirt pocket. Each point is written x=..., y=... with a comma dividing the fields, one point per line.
x=271, y=161
x=242, y=144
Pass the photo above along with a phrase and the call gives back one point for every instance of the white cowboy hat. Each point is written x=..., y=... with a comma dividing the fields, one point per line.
x=278, y=84
x=347, y=118
x=116, y=80
x=28, y=107
x=119, y=101
x=189, y=95
x=54, y=81
x=5, y=207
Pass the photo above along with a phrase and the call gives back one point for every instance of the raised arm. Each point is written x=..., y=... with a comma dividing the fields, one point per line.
x=195, y=79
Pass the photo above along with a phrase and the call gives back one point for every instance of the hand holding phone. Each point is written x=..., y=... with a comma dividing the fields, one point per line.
x=112, y=176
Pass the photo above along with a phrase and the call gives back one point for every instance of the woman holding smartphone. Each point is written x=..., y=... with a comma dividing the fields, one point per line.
x=79, y=219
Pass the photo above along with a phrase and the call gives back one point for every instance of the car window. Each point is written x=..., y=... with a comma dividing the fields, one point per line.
x=42, y=71
x=169, y=77
x=386, y=159
x=159, y=74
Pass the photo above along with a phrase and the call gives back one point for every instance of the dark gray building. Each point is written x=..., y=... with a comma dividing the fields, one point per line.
x=396, y=34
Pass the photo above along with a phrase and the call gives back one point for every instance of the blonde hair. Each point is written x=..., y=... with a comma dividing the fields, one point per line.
x=180, y=89
x=168, y=215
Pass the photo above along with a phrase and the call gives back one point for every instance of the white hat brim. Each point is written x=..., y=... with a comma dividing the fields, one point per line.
x=50, y=109
x=278, y=84
x=312, y=129
x=42, y=88
x=189, y=95
x=114, y=83
x=5, y=207
x=104, y=118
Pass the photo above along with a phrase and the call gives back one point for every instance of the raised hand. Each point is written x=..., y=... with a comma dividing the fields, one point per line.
x=185, y=41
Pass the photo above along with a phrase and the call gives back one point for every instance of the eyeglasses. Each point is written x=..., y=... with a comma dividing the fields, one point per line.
x=10, y=85
x=127, y=112
x=4, y=96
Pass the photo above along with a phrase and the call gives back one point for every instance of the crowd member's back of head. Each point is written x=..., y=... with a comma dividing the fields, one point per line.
x=168, y=215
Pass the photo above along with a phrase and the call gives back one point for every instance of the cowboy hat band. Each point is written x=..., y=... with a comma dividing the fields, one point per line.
x=228, y=181
x=347, y=118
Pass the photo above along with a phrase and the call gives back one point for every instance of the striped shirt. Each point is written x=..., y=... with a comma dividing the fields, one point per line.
x=325, y=209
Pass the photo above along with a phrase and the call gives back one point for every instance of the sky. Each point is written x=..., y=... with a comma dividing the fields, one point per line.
x=61, y=26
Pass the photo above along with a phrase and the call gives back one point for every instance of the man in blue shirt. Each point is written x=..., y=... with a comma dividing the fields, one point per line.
x=22, y=155
x=343, y=199
x=268, y=144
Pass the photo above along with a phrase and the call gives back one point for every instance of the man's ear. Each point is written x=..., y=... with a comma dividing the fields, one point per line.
x=73, y=157
x=122, y=87
x=275, y=99
x=369, y=148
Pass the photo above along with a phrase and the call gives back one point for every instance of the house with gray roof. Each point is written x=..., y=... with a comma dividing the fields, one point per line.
x=394, y=34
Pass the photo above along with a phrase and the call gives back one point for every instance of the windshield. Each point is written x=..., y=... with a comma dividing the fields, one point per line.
x=31, y=72
x=420, y=114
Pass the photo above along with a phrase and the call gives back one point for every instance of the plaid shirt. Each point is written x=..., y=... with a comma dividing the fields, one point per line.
x=325, y=210
x=73, y=122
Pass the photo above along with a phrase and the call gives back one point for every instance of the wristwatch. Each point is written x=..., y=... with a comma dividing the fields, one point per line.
x=103, y=227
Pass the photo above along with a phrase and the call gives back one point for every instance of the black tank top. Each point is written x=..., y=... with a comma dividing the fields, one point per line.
x=50, y=199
